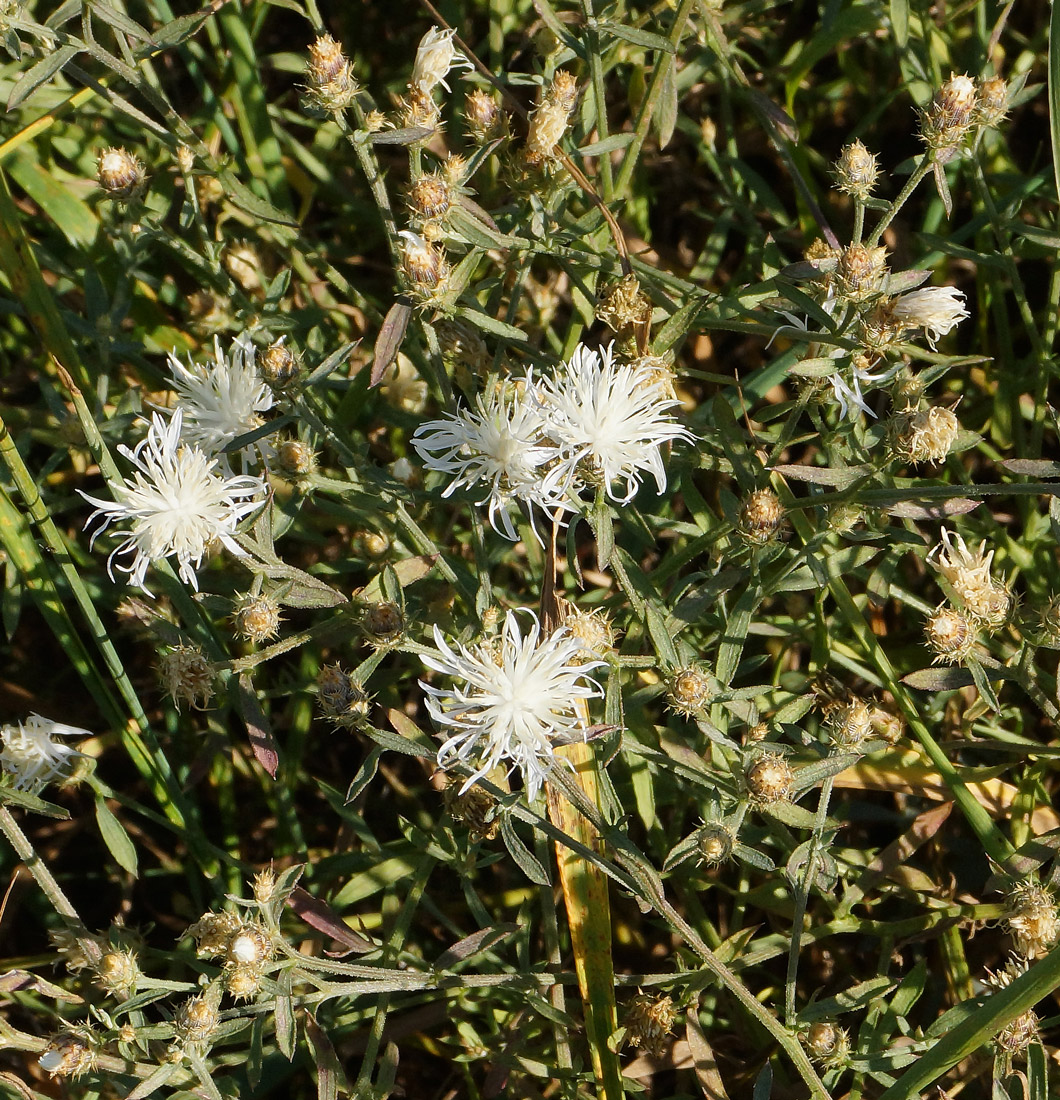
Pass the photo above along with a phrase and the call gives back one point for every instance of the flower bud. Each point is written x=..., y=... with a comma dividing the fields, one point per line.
x=341, y=698
x=264, y=886
x=950, y=634
x=623, y=304
x=212, y=931
x=849, y=724
x=242, y=261
x=769, y=778
x=715, y=843
x=372, y=545
x=484, y=119
x=689, y=691
x=762, y=517
x=925, y=436
x=429, y=196
x=243, y=981
x=475, y=807
x=120, y=174
x=117, y=973
x=68, y=1055
x=648, y=1021
x=257, y=618
x=425, y=266
x=549, y=122
x=187, y=676
x=330, y=85
x=856, y=171
x=279, y=366
x=593, y=631
x=383, y=622
x=827, y=1044
x=993, y=101
x=295, y=459
x=949, y=118
x=197, y=1018
x=860, y=271
x=250, y=945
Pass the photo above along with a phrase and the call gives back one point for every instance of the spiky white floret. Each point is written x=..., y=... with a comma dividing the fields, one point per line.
x=176, y=503
x=32, y=757
x=935, y=309
x=435, y=56
x=512, y=701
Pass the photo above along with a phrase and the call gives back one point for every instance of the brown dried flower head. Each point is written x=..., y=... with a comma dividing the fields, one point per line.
x=429, y=196
x=197, y=1018
x=475, y=807
x=949, y=119
x=187, y=676
x=330, y=85
x=762, y=517
x=383, y=622
x=69, y=1054
x=649, y=1021
x=927, y=435
x=212, y=931
x=860, y=271
x=1032, y=919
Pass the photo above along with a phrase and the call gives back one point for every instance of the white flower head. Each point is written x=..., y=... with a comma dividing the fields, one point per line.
x=32, y=757
x=176, y=503
x=968, y=573
x=500, y=444
x=435, y=56
x=935, y=309
x=612, y=418
x=515, y=698
x=224, y=399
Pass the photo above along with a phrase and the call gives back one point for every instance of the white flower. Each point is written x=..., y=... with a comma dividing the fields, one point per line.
x=31, y=756
x=435, y=56
x=176, y=503
x=935, y=309
x=515, y=698
x=968, y=573
x=609, y=417
x=224, y=399
x=500, y=443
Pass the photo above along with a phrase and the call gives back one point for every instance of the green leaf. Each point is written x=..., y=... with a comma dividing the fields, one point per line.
x=647, y=39
x=116, y=838
x=900, y=22
x=528, y=863
x=1054, y=90
x=44, y=70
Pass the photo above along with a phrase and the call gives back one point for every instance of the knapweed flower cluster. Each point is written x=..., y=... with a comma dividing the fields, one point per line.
x=515, y=698
x=540, y=442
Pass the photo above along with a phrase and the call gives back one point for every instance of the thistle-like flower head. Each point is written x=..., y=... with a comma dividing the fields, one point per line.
x=513, y=700
x=224, y=399
x=435, y=56
x=610, y=420
x=32, y=756
x=176, y=503
x=935, y=309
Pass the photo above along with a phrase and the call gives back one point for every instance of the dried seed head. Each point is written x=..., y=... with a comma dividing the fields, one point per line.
x=197, y=1018
x=117, y=973
x=715, y=843
x=372, y=545
x=948, y=120
x=1031, y=917
x=187, y=676
x=623, y=304
x=950, y=634
x=243, y=981
x=769, y=778
x=476, y=808
x=121, y=175
x=993, y=101
x=341, y=698
x=860, y=271
x=827, y=1044
x=1018, y=1034
x=484, y=119
x=69, y=1054
x=856, y=171
x=925, y=436
x=689, y=691
x=648, y=1021
x=849, y=724
x=330, y=85
x=249, y=945
x=563, y=91
x=212, y=931
x=383, y=622
x=279, y=366
x=425, y=266
x=257, y=618
x=295, y=459
x=429, y=196
x=762, y=517
x=968, y=574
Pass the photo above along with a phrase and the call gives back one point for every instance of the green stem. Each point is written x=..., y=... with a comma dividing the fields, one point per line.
x=911, y=185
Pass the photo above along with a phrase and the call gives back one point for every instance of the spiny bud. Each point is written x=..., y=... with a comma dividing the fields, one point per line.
x=197, y=1018
x=623, y=304
x=120, y=174
x=592, y=630
x=887, y=726
x=341, y=698
x=429, y=196
x=925, y=436
x=849, y=724
x=856, y=171
x=69, y=1054
x=950, y=634
x=950, y=117
x=563, y=91
x=257, y=618
x=383, y=622
x=475, y=807
x=187, y=676
x=648, y=1021
x=1032, y=919
x=264, y=886
x=243, y=982
x=279, y=366
x=295, y=458
x=212, y=931
x=689, y=691
x=249, y=945
x=860, y=271
x=330, y=84
x=425, y=266
x=372, y=545
x=484, y=119
x=762, y=517
x=118, y=973
x=715, y=843
x=993, y=101
x=769, y=778
x=418, y=109
x=827, y=1044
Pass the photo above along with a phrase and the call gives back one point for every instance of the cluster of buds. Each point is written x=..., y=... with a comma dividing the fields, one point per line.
x=121, y=175
x=968, y=575
x=341, y=698
x=1032, y=919
x=950, y=118
x=689, y=691
x=950, y=634
x=257, y=618
x=762, y=518
x=187, y=676
x=330, y=85
x=856, y=171
x=549, y=121
x=769, y=778
x=475, y=807
x=279, y=367
x=927, y=435
x=827, y=1044
x=648, y=1021
x=245, y=947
